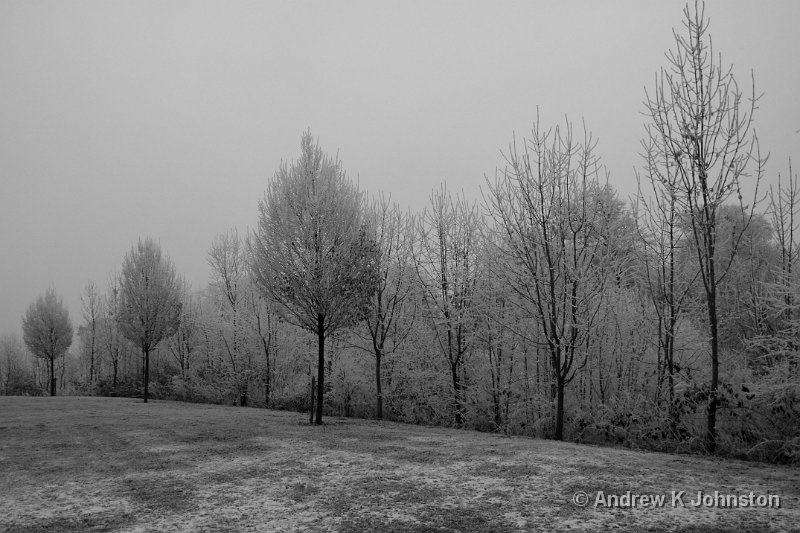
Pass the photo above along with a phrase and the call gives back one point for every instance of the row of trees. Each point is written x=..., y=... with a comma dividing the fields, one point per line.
x=144, y=307
x=549, y=308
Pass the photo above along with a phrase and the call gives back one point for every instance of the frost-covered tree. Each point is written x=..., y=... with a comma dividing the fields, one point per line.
x=665, y=255
x=391, y=316
x=47, y=330
x=183, y=344
x=111, y=336
x=702, y=123
x=16, y=374
x=227, y=258
x=91, y=306
x=313, y=253
x=264, y=324
x=149, y=300
x=552, y=213
x=497, y=329
x=446, y=258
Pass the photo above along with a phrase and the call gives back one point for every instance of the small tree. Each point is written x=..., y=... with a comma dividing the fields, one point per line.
x=312, y=254
x=183, y=344
x=391, y=316
x=227, y=258
x=665, y=256
x=47, y=330
x=16, y=374
x=110, y=329
x=263, y=322
x=91, y=305
x=783, y=205
x=446, y=258
x=779, y=334
x=150, y=300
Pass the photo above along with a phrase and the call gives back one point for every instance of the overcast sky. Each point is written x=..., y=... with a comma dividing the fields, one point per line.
x=167, y=119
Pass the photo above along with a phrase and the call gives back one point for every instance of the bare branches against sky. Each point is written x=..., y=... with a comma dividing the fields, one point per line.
x=121, y=120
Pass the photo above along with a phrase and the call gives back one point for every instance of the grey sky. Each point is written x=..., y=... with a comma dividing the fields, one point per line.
x=166, y=119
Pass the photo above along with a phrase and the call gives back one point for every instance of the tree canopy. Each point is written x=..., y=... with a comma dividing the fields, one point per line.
x=150, y=299
x=47, y=330
x=313, y=252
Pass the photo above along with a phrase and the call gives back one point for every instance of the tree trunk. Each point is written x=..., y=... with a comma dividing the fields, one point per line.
x=507, y=391
x=91, y=364
x=267, y=380
x=459, y=415
x=498, y=417
x=527, y=391
x=311, y=409
x=379, y=393
x=52, y=376
x=146, y=372
x=91, y=354
x=63, y=370
x=674, y=415
x=559, y=432
x=711, y=430
x=494, y=374
x=320, y=366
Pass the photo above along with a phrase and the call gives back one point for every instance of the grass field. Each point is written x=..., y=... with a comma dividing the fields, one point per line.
x=100, y=464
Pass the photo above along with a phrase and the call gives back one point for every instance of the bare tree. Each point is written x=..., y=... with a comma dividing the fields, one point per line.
x=778, y=339
x=182, y=344
x=665, y=255
x=16, y=375
x=263, y=321
x=549, y=207
x=91, y=304
x=150, y=300
x=391, y=316
x=497, y=329
x=47, y=330
x=702, y=122
x=446, y=254
x=228, y=261
x=783, y=205
x=110, y=329
x=313, y=254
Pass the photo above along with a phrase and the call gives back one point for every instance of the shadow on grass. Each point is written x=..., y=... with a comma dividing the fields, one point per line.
x=300, y=492
x=440, y=519
x=267, y=471
x=94, y=522
x=383, y=491
x=508, y=471
x=167, y=494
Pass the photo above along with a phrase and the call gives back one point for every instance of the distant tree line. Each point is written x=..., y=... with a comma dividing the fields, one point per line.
x=549, y=307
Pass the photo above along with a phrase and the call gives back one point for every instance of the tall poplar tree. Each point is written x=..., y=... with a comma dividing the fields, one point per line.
x=701, y=124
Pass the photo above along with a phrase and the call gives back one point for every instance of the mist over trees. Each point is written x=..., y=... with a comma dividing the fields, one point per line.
x=548, y=307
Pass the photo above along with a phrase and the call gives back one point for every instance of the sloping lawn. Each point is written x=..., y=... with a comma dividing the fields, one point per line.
x=100, y=464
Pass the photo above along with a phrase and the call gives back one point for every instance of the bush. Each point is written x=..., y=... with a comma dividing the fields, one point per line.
x=299, y=402
x=123, y=389
x=22, y=384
